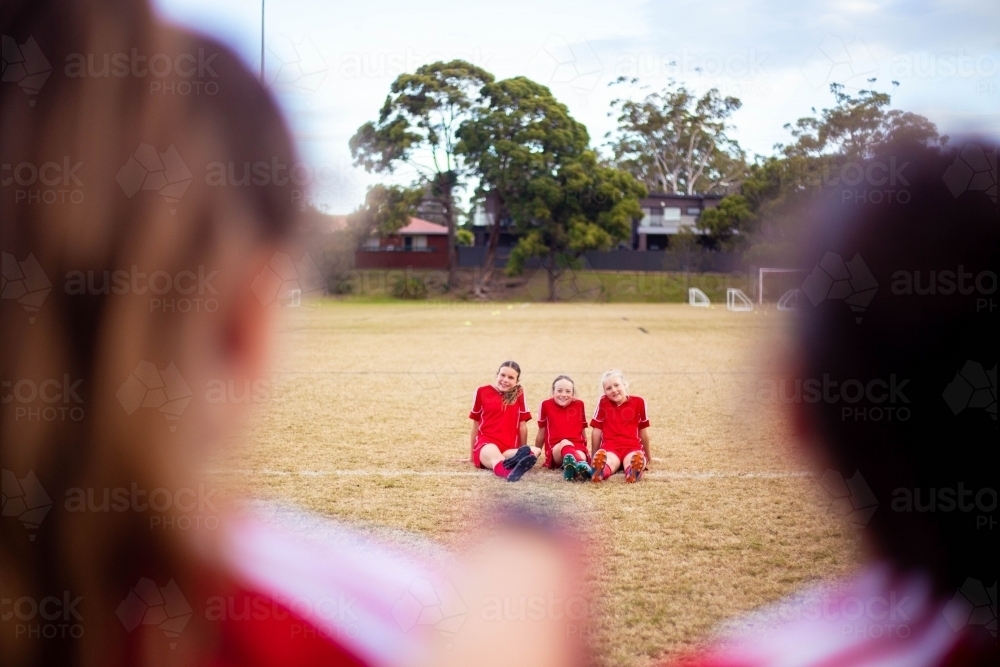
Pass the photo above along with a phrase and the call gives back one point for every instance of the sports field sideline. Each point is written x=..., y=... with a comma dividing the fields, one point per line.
x=366, y=421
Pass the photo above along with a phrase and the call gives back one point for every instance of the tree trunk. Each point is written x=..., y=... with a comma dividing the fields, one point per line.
x=553, y=276
x=445, y=188
x=491, y=253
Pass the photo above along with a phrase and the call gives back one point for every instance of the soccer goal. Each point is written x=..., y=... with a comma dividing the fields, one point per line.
x=291, y=299
x=737, y=301
x=698, y=298
x=780, y=286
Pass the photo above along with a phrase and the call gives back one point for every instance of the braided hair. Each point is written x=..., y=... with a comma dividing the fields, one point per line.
x=510, y=397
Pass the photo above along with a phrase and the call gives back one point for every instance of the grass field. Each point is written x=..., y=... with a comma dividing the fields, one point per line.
x=581, y=285
x=366, y=422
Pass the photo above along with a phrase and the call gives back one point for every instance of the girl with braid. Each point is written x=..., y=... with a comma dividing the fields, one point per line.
x=500, y=426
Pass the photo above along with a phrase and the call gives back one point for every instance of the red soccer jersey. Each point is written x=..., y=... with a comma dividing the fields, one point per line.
x=563, y=423
x=499, y=424
x=620, y=424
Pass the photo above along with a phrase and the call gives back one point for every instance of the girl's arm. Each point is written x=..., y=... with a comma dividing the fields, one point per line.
x=475, y=432
x=596, y=435
x=644, y=438
x=524, y=433
x=540, y=437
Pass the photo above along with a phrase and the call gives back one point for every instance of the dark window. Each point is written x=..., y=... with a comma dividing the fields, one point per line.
x=693, y=211
x=408, y=243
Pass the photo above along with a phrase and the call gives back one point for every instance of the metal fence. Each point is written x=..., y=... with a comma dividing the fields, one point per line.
x=624, y=260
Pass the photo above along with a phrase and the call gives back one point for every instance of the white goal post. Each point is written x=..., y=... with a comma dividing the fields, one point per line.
x=698, y=298
x=786, y=299
x=737, y=301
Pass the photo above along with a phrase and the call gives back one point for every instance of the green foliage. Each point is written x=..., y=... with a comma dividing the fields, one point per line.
x=531, y=154
x=419, y=119
x=583, y=206
x=464, y=237
x=765, y=217
x=729, y=222
x=417, y=126
x=676, y=142
x=408, y=287
x=520, y=133
x=386, y=209
x=856, y=126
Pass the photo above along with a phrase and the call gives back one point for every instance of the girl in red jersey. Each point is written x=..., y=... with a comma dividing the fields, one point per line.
x=620, y=431
x=500, y=426
x=562, y=430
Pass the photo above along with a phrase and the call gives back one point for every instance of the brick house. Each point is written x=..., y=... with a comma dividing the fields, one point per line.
x=420, y=245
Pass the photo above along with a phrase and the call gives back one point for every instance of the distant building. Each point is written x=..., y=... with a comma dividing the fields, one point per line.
x=421, y=244
x=482, y=225
x=665, y=215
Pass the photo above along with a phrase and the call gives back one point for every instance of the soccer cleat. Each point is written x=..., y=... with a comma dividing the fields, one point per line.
x=636, y=466
x=583, y=470
x=600, y=460
x=524, y=465
x=569, y=467
x=521, y=453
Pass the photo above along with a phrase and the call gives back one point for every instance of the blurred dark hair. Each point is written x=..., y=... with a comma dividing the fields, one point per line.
x=100, y=121
x=936, y=430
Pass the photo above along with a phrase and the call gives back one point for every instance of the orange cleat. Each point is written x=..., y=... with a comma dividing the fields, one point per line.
x=600, y=460
x=636, y=466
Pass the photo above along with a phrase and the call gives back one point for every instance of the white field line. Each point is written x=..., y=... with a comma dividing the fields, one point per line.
x=383, y=472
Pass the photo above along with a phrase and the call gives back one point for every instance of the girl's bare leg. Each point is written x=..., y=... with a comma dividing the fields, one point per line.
x=557, y=451
x=490, y=455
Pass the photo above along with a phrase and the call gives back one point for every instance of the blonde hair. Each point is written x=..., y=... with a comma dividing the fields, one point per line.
x=613, y=373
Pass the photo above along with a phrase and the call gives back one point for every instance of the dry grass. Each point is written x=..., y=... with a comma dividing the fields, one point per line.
x=363, y=386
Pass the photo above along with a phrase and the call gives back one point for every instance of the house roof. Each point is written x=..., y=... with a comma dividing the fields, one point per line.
x=423, y=227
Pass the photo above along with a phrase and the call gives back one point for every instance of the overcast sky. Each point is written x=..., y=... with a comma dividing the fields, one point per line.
x=331, y=63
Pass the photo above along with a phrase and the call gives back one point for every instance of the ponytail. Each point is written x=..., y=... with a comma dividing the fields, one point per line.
x=510, y=397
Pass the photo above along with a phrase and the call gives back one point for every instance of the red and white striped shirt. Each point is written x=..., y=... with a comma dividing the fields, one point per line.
x=879, y=619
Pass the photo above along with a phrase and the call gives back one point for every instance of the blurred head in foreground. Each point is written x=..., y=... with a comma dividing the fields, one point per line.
x=145, y=233
x=129, y=279
x=901, y=312
x=893, y=384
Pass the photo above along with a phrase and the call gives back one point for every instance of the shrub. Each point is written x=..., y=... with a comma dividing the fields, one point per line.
x=408, y=287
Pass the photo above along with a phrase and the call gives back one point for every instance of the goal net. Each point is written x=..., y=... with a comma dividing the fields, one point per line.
x=779, y=287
